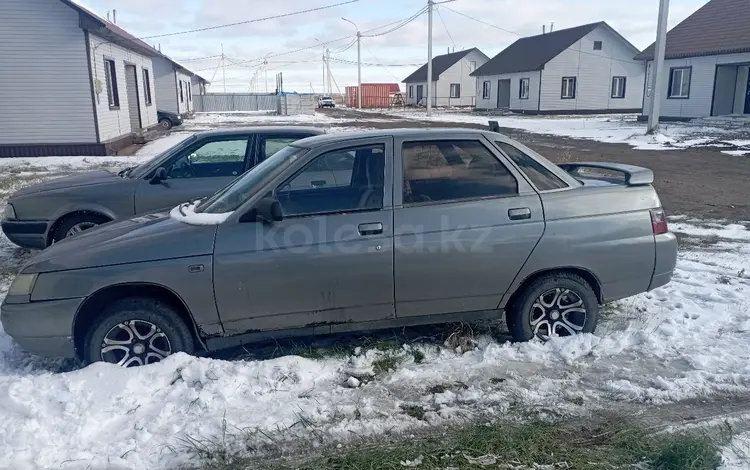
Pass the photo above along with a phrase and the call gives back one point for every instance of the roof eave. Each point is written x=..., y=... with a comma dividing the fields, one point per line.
x=686, y=55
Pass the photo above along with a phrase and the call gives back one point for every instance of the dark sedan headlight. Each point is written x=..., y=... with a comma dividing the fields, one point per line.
x=10, y=212
x=23, y=284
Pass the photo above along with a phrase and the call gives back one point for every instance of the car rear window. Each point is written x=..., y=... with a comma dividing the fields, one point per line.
x=543, y=179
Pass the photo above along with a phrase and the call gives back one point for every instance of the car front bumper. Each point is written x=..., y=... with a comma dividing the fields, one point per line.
x=42, y=328
x=666, y=259
x=26, y=234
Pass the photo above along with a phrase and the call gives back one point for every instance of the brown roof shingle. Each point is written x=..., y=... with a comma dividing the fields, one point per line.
x=718, y=27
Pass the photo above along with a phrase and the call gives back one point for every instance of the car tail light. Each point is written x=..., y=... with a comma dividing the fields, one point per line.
x=659, y=221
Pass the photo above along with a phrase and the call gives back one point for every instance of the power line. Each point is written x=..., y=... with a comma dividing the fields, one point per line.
x=370, y=64
x=382, y=66
x=483, y=22
x=445, y=26
x=400, y=25
x=284, y=15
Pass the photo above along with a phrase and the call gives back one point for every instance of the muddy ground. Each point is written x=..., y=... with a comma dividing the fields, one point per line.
x=701, y=182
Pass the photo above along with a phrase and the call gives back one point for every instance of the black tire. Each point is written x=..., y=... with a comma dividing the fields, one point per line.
x=141, y=312
x=524, y=309
x=81, y=220
x=165, y=123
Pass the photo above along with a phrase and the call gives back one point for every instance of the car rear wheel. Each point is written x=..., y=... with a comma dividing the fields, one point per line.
x=559, y=304
x=135, y=332
x=165, y=124
x=77, y=223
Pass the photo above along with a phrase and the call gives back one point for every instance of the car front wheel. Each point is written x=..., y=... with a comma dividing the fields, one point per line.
x=558, y=304
x=165, y=124
x=136, y=332
x=77, y=223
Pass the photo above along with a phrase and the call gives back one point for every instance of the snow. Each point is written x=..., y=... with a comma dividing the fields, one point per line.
x=186, y=213
x=736, y=455
x=204, y=121
x=609, y=128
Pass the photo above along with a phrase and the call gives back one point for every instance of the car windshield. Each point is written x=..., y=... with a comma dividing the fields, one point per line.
x=139, y=171
x=234, y=195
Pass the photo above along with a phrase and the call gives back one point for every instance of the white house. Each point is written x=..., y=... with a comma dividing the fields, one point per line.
x=586, y=69
x=706, y=63
x=452, y=83
x=71, y=82
x=174, y=86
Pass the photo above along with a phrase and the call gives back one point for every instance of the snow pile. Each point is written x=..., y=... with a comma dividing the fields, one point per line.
x=736, y=455
x=204, y=121
x=186, y=213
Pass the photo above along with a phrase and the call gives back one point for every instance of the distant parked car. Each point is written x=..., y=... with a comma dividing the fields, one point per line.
x=326, y=102
x=39, y=215
x=427, y=227
x=168, y=119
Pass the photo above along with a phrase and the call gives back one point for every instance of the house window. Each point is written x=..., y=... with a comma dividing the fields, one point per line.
x=523, y=89
x=472, y=65
x=597, y=45
x=568, y=88
x=455, y=90
x=679, y=82
x=182, y=96
x=189, y=91
x=411, y=91
x=147, y=87
x=486, y=90
x=618, y=87
x=110, y=75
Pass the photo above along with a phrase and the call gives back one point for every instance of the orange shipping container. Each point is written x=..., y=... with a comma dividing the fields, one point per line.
x=377, y=95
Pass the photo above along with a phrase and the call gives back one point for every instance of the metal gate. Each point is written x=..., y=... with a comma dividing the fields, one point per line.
x=218, y=102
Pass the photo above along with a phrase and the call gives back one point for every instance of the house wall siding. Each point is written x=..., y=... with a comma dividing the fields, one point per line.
x=459, y=73
x=531, y=104
x=593, y=70
x=116, y=123
x=164, y=84
x=45, y=94
x=701, y=85
x=412, y=101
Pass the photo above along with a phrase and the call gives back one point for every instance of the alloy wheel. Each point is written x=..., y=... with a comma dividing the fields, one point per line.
x=135, y=343
x=557, y=312
x=80, y=227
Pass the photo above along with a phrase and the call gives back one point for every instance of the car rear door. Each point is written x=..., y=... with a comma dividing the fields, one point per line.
x=329, y=261
x=197, y=171
x=465, y=222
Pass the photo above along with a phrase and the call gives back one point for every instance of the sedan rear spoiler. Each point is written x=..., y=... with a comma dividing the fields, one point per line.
x=634, y=175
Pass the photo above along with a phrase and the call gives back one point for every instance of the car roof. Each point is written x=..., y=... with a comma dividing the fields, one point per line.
x=420, y=133
x=261, y=129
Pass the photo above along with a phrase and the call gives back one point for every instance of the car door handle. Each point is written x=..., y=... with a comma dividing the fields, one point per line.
x=317, y=183
x=371, y=228
x=519, y=213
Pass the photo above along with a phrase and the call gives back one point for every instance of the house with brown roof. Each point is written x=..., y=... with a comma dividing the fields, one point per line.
x=706, y=63
x=585, y=69
x=71, y=82
x=452, y=83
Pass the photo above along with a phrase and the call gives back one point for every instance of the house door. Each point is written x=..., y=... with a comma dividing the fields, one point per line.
x=503, y=93
x=134, y=102
x=747, y=96
x=420, y=93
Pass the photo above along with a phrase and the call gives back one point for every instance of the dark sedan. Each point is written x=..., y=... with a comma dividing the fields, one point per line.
x=39, y=215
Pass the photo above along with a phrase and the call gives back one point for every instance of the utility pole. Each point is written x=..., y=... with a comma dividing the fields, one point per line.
x=265, y=70
x=429, y=58
x=658, y=67
x=328, y=71
x=359, y=64
x=224, y=67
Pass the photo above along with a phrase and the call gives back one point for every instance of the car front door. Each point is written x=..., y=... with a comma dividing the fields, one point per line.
x=329, y=261
x=464, y=224
x=197, y=171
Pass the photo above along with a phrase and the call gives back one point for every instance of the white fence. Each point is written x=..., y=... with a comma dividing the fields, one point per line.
x=218, y=102
x=296, y=104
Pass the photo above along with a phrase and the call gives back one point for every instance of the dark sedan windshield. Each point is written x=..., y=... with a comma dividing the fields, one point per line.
x=234, y=195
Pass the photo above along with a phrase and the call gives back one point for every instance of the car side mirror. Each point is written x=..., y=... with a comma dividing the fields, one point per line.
x=268, y=210
x=159, y=176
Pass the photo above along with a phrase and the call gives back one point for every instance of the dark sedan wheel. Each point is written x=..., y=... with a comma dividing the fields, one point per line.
x=561, y=304
x=77, y=223
x=137, y=332
x=165, y=124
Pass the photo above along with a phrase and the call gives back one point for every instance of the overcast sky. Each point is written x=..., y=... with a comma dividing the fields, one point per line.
x=391, y=57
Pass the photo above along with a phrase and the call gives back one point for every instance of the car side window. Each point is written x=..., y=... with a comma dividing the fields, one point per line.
x=343, y=180
x=271, y=145
x=543, y=179
x=451, y=170
x=213, y=159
